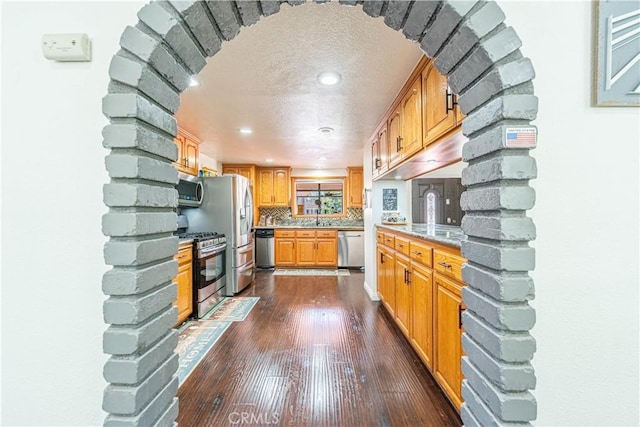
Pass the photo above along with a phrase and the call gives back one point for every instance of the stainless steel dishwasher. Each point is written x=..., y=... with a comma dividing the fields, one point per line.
x=265, y=248
x=350, y=248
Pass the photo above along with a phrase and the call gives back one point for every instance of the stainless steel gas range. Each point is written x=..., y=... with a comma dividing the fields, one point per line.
x=209, y=269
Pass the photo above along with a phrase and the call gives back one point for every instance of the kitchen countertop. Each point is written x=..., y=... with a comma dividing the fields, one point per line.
x=445, y=234
x=184, y=241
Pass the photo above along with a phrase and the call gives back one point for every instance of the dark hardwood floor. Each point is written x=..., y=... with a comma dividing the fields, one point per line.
x=314, y=351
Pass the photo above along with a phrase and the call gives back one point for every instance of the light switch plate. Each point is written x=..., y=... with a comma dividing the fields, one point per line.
x=66, y=47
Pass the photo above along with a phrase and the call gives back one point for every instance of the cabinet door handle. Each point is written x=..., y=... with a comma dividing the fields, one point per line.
x=451, y=96
x=377, y=163
x=408, y=277
x=400, y=245
x=460, y=311
x=381, y=258
x=416, y=252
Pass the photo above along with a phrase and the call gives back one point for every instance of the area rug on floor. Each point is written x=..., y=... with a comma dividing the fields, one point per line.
x=195, y=339
x=309, y=272
x=233, y=309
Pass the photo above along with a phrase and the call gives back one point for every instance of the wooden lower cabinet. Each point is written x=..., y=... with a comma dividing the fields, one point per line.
x=184, y=281
x=422, y=312
x=448, y=335
x=418, y=285
x=306, y=248
x=403, y=293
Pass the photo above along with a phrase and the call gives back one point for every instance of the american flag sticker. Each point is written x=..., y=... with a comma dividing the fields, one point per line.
x=521, y=137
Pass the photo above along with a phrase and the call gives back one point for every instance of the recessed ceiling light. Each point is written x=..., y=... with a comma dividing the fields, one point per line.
x=431, y=161
x=329, y=78
x=245, y=131
x=325, y=129
x=193, y=82
x=398, y=177
x=268, y=160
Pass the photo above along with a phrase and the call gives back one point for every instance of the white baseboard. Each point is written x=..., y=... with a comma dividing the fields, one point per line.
x=372, y=295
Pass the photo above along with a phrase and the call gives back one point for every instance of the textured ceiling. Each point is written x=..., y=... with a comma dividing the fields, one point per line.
x=266, y=79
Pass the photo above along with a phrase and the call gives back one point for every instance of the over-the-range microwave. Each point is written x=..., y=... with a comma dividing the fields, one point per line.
x=189, y=190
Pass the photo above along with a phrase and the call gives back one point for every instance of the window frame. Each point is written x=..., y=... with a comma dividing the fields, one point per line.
x=294, y=205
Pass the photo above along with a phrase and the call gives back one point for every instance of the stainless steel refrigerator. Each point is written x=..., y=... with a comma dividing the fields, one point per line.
x=227, y=207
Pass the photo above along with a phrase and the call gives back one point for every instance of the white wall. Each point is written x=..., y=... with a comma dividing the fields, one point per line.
x=587, y=265
x=53, y=172
x=587, y=221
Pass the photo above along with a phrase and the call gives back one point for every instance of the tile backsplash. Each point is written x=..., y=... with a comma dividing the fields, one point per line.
x=280, y=215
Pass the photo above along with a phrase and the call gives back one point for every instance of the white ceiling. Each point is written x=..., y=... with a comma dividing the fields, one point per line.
x=266, y=79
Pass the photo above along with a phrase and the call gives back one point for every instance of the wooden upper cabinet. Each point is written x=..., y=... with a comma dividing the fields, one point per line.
x=411, y=108
x=438, y=109
x=273, y=187
x=188, y=152
x=246, y=170
x=394, y=135
x=356, y=184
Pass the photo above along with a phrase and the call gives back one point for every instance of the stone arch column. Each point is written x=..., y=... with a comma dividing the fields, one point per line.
x=169, y=44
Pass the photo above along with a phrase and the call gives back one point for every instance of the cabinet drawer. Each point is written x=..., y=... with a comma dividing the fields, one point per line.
x=305, y=233
x=284, y=233
x=380, y=237
x=421, y=252
x=448, y=264
x=389, y=241
x=184, y=254
x=402, y=245
x=327, y=233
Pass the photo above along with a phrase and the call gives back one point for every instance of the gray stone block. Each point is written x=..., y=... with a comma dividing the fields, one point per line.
x=418, y=18
x=131, y=281
x=136, y=339
x=249, y=12
x=473, y=28
x=120, y=105
x=126, y=224
x=225, y=16
x=492, y=140
x=448, y=17
x=506, y=376
x=168, y=419
x=512, y=406
x=270, y=7
x=499, y=227
x=506, y=316
x=373, y=8
x=152, y=51
x=140, y=136
x=498, y=80
x=125, y=194
x=139, y=252
x=151, y=413
x=201, y=26
x=505, y=107
x=517, y=256
x=170, y=29
x=503, y=286
x=123, y=165
x=134, y=309
x=129, y=400
x=139, y=75
x=486, y=54
x=481, y=413
x=500, y=167
x=498, y=198
x=396, y=11
x=296, y=2
x=342, y=2
x=133, y=370
x=511, y=347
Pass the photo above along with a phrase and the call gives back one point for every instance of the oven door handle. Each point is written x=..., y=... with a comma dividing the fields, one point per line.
x=205, y=253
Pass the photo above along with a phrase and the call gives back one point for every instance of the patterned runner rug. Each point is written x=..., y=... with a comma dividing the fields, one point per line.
x=197, y=337
x=309, y=272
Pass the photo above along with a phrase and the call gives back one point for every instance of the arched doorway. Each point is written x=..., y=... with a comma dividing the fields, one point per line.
x=480, y=54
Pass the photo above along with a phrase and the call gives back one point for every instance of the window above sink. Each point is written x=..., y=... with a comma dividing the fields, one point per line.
x=318, y=197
